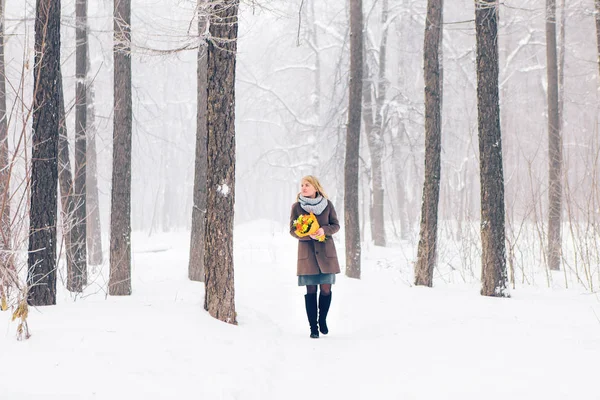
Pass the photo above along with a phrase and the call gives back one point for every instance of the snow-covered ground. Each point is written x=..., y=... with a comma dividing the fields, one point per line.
x=388, y=339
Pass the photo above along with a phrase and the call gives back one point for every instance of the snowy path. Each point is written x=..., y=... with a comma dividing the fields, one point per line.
x=387, y=340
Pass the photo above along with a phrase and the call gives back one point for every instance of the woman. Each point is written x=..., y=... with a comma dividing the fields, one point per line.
x=317, y=261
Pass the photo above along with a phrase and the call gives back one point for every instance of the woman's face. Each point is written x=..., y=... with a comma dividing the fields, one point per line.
x=307, y=189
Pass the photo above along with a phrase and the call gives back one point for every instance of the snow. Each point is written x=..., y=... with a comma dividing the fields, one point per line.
x=223, y=189
x=388, y=339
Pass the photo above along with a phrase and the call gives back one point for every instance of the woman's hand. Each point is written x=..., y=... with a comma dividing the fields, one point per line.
x=318, y=234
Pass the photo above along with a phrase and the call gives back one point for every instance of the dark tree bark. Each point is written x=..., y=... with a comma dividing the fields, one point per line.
x=41, y=274
x=6, y=259
x=493, y=259
x=427, y=250
x=219, y=298
x=75, y=264
x=196, y=264
x=554, y=142
x=351, y=211
x=79, y=235
x=93, y=227
x=120, y=218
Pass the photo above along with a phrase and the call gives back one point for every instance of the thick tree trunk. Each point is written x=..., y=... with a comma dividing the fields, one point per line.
x=554, y=142
x=79, y=235
x=68, y=201
x=120, y=218
x=41, y=274
x=219, y=298
x=196, y=263
x=93, y=227
x=6, y=258
x=493, y=260
x=427, y=250
x=351, y=220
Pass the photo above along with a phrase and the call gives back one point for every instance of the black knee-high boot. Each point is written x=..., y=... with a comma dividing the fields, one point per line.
x=310, y=300
x=324, y=303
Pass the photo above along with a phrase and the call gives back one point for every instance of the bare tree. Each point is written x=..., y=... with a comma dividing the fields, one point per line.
x=219, y=298
x=373, y=117
x=6, y=259
x=597, y=15
x=554, y=142
x=93, y=227
x=41, y=274
x=351, y=211
x=561, y=64
x=79, y=236
x=312, y=39
x=493, y=258
x=427, y=251
x=196, y=263
x=120, y=217
x=398, y=159
x=68, y=201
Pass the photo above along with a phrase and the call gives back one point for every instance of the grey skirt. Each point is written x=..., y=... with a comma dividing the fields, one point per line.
x=320, y=279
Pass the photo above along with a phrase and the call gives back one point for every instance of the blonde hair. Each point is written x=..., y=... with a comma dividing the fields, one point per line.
x=315, y=183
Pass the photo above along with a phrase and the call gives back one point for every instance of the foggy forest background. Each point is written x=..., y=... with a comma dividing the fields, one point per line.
x=291, y=115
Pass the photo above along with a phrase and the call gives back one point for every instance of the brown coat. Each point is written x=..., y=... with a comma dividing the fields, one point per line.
x=312, y=254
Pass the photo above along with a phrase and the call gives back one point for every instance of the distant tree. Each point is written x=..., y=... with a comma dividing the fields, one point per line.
x=374, y=95
x=6, y=259
x=120, y=218
x=493, y=257
x=597, y=15
x=351, y=211
x=561, y=64
x=554, y=142
x=196, y=263
x=93, y=227
x=219, y=298
x=68, y=201
x=427, y=250
x=41, y=274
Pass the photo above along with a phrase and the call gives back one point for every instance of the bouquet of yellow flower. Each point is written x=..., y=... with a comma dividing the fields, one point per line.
x=307, y=225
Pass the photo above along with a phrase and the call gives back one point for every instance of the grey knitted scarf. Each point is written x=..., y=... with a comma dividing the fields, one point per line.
x=315, y=206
